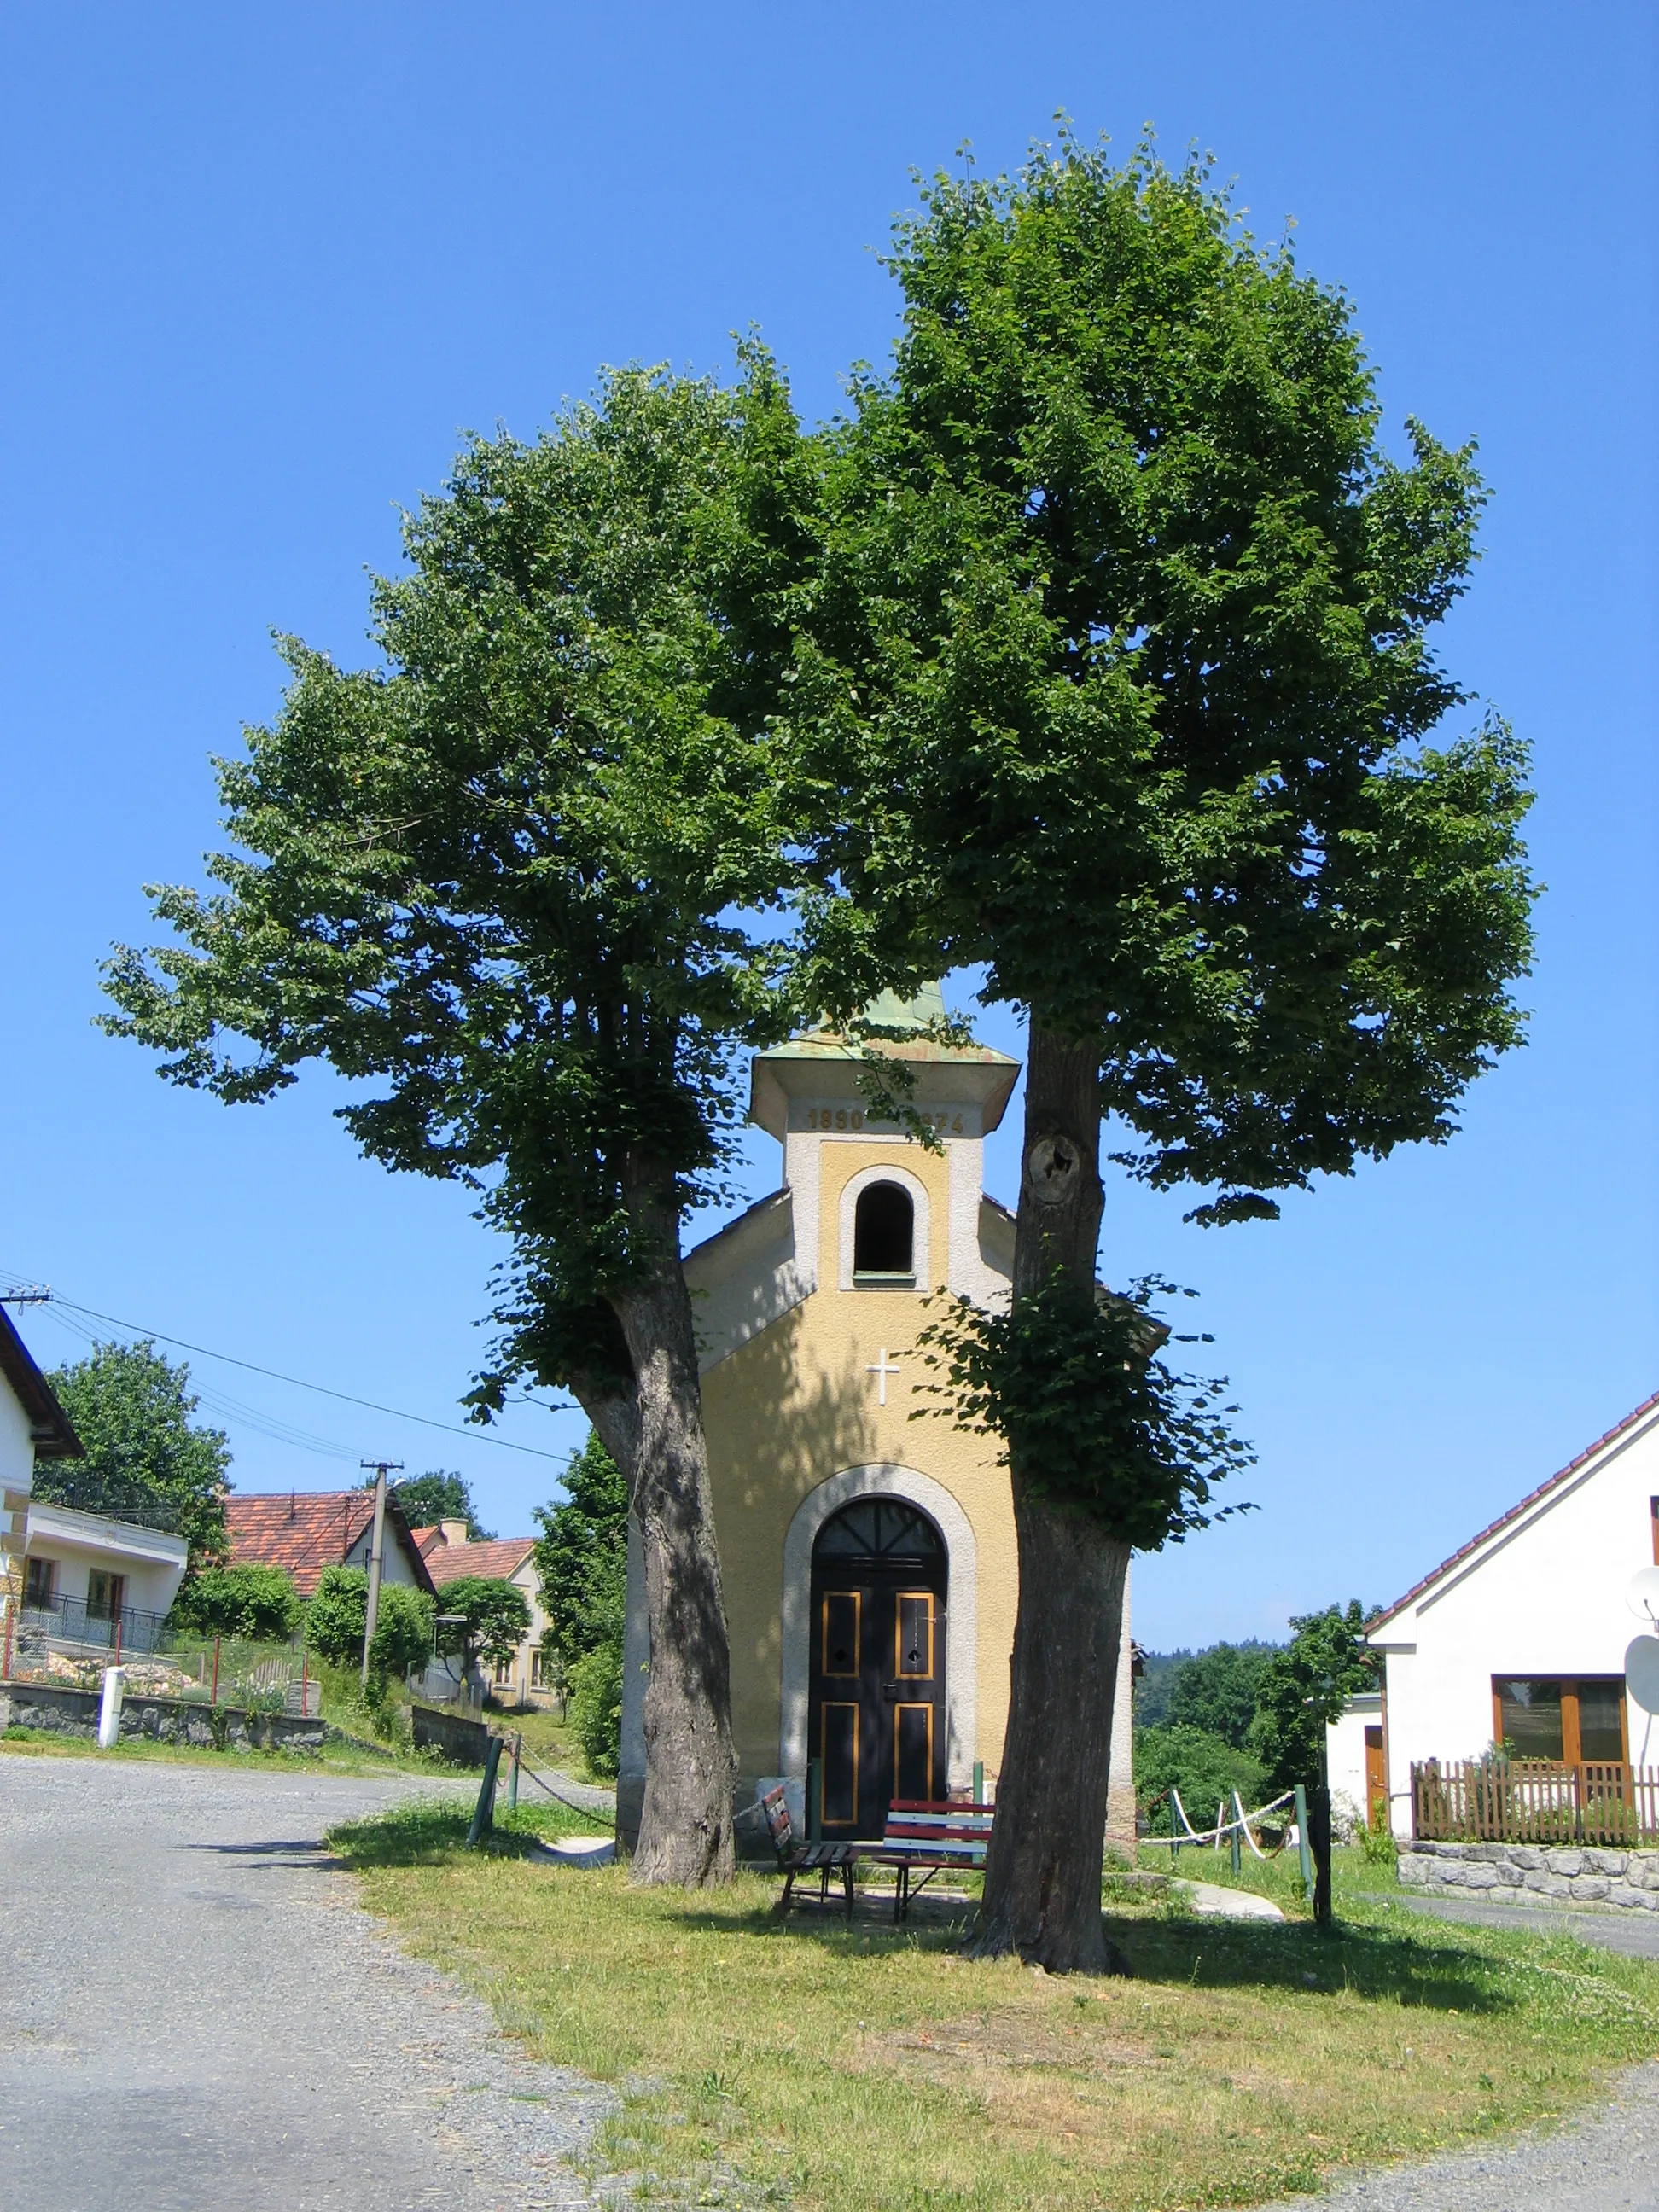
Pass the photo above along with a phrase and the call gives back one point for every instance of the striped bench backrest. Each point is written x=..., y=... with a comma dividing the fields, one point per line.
x=930, y=1825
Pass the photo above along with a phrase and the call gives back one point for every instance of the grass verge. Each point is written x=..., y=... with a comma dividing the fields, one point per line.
x=871, y=2070
x=342, y=1759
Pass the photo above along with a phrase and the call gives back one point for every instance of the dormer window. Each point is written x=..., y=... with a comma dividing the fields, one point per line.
x=884, y=1238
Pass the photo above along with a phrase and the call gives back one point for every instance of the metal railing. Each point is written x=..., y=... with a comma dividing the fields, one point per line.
x=67, y=1620
x=1534, y=1800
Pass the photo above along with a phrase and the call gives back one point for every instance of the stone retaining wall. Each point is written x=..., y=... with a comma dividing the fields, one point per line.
x=1529, y=1873
x=67, y=1711
x=454, y=1737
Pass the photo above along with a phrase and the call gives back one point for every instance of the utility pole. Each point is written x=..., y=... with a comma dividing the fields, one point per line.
x=377, y=1543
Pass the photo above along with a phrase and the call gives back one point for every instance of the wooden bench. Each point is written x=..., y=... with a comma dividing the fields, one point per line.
x=795, y=1857
x=931, y=1836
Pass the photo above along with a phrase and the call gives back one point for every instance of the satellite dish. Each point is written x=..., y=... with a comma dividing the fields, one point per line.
x=1642, y=1595
x=1641, y=1672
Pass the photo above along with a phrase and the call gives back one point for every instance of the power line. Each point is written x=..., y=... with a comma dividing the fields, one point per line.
x=204, y=1351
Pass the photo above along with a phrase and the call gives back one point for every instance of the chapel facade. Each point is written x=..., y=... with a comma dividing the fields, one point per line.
x=869, y=1558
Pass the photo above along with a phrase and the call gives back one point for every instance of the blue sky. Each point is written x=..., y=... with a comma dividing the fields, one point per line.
x=261, y=268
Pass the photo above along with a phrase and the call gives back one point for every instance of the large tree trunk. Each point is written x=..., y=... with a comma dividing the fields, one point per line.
x=690, y=1767
x=1042, y=1873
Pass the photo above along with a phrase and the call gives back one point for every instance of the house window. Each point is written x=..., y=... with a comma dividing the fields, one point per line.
x=1653, y=1515
x=883, y=1236
x=39, y=1582
x=105, y=1593
x=1551, y=1716
x=542, y=1671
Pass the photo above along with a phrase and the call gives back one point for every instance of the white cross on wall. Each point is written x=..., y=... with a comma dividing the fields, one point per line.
x=882, y=1368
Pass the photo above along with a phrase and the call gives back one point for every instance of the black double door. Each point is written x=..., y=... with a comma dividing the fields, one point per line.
x=876, y=1721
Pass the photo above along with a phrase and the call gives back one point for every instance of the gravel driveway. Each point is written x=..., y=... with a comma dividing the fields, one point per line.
x=196, y=2017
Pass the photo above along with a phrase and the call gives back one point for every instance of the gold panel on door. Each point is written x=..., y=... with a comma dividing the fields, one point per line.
x=912, y=1636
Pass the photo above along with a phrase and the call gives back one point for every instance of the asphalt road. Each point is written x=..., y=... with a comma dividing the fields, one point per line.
x=195, y=2016
x=1635, y=1933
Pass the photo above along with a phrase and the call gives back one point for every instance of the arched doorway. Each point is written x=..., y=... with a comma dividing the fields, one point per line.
x=877, y=1717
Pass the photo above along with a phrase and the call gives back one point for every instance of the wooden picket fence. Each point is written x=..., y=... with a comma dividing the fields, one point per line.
x=1534, y=1800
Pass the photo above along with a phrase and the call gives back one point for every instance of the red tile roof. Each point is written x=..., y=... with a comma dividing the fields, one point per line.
x=1503, y=1521
x=306, y=1531
x=497, y=1561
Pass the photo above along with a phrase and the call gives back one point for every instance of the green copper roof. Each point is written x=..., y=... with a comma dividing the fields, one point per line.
x=887, y=1011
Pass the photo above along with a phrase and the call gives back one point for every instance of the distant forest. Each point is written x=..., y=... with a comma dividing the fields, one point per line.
x=1157, y=1684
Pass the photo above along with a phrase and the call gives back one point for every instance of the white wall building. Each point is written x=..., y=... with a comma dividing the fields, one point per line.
x=33, y=1426
x=86, y=1574
x=1520, y=1637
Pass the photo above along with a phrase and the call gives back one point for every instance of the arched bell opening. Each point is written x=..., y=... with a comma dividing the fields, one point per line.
x=877, y=1719
x=885, y=1238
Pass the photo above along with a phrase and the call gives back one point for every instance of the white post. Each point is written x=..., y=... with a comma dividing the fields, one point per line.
x=109, y=1716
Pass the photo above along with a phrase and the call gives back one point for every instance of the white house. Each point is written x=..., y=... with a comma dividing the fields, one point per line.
x=33, y=1426
x=1520, y=1637
x=76, y=1576
x=89, y=1579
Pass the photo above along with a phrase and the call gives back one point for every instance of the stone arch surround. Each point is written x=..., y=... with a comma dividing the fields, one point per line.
x=883, y=1478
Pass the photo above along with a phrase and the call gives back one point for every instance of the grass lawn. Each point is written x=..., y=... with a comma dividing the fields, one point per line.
x=871, y=2070
x=334, y=1758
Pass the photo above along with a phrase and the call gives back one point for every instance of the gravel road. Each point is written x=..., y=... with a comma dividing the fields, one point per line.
x=195, y=2016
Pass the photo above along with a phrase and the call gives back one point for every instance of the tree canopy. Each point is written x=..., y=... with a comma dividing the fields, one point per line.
x=508, y=881
x=1121, y=672
x=438, y=1495
x=581, y=1554
x=1304, y=1686
x=1217, y=1690
x=1118, y=686
x=145, y=1456
x=491, y=1619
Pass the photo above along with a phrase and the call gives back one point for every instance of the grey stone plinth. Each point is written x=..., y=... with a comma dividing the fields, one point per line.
x=1595, y=1876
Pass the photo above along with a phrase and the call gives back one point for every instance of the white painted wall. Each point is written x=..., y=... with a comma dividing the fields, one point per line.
x=395, y=1565
x=17, y=1446
x=1545, y=1595
x=1345, y=1750
x=152, y=1561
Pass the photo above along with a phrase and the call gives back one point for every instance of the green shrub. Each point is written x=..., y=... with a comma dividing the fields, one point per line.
x=596, y=1692
x=403, y=1632
x=1376, y=1844
x=260, y=1603
x=1205, y=1769
x=338, y=1615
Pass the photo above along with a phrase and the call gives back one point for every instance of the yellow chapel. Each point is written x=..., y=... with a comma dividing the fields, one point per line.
x=869, y=1559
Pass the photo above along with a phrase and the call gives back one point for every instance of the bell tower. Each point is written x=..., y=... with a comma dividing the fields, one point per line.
x=867, y=1227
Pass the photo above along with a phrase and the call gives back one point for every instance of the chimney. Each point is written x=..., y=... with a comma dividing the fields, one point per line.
x=454, y=1531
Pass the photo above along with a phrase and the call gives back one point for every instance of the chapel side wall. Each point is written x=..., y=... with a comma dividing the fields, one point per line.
x=795, y=1404
x=1547, y=1599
